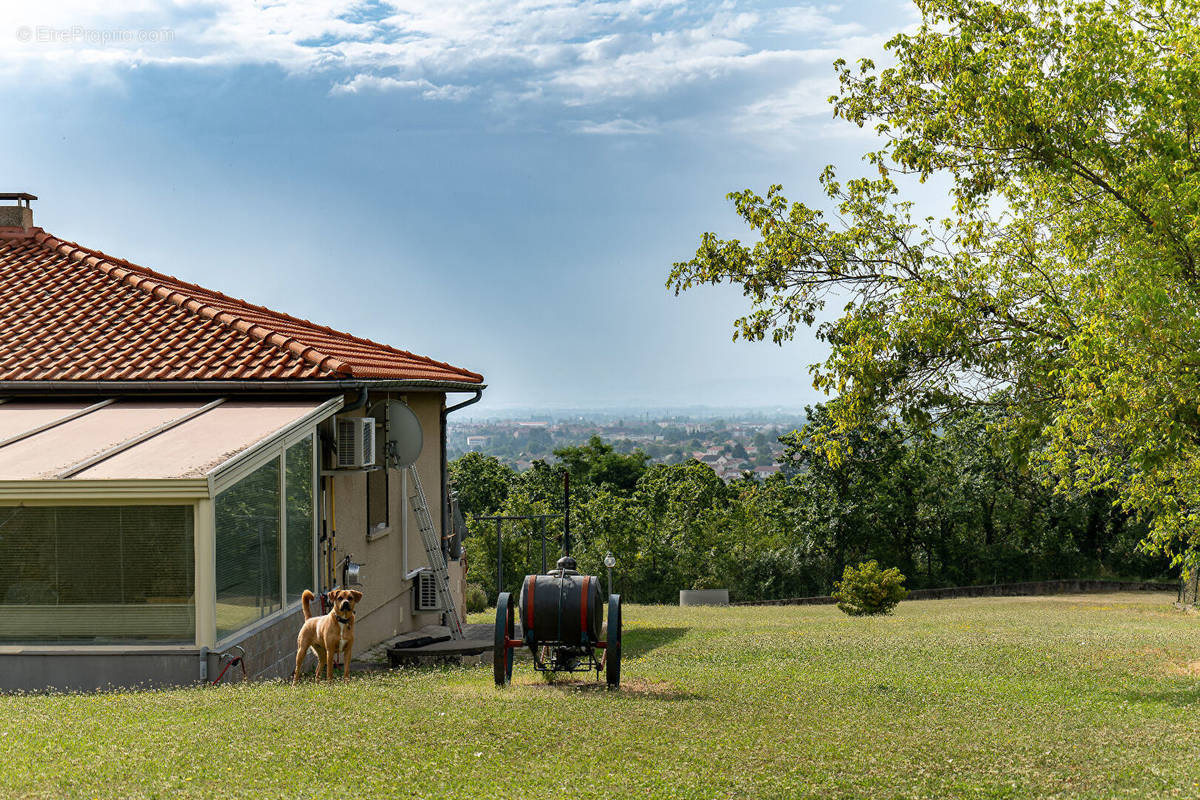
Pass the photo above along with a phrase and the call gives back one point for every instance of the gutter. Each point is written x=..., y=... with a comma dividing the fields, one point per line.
x=447, y=411
x=61, y=388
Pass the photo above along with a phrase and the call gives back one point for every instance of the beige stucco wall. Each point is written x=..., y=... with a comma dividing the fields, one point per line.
x=386, y=607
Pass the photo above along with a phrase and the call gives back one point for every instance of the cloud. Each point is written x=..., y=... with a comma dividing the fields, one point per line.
x=810, y=19
x=657, y=62
x=616, y=127
x=377, y=83
x=785, y=109
x=614, y=57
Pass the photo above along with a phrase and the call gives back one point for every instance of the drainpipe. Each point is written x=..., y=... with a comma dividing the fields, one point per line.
x=361, y=402
x=447, y=411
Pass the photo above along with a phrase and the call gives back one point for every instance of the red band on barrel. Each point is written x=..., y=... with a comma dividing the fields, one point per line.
x=583, y=626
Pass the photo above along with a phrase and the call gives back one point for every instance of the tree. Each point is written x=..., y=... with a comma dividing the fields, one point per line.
x=481, y=482
x=681, y=509
x=599, y=464
x=948, y=507
x=1063, y=288
x=538, y=441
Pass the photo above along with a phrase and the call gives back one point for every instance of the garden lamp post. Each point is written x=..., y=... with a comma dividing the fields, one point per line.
x=609, y=562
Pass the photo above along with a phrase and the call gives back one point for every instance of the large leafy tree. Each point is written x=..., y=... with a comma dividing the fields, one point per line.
x=482, y=483
x=598, y=464
x=1063, y=288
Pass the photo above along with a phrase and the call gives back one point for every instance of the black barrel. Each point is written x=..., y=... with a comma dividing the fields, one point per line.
x=577, y=597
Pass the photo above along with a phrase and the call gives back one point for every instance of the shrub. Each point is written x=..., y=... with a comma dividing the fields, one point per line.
x=867, y=589
x=707, y=582
x=476, y=598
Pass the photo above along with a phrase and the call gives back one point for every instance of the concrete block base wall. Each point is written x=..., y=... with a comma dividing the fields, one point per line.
x=270, y=651
x=33, y=669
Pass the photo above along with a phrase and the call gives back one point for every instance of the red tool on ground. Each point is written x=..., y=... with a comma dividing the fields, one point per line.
x=231, y=660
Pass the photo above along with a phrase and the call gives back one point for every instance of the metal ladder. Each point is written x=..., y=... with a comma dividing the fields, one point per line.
x=433, y=549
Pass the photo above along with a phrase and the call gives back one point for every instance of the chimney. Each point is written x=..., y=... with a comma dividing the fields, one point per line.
x=19, y=215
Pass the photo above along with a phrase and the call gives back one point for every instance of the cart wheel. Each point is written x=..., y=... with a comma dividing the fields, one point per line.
x=502, y=654
x=612, y=652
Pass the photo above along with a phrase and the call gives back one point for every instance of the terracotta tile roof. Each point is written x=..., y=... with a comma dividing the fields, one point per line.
x=70, y=313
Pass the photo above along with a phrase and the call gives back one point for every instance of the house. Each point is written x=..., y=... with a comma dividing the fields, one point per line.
x=728, y=473
x=169, y=473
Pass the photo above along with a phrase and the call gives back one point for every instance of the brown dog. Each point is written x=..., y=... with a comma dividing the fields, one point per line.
x=327, y=635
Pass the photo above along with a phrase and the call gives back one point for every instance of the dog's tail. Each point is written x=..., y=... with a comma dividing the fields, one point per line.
x=305, y=599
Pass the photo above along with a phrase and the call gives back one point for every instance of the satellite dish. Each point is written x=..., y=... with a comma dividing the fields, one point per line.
x=404, y=436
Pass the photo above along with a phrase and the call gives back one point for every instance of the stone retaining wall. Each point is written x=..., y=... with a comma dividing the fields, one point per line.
x=1028, y=588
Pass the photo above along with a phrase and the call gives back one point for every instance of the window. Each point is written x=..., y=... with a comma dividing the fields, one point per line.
x=377, y=489
x=377, y=501
x=248, y=550
x=300, y=514
x=97, y=574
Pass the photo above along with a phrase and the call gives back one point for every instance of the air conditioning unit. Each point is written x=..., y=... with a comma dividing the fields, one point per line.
x=355, y=442
x=425, y=588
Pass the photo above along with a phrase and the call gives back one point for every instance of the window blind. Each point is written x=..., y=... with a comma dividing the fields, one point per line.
x=97, y=573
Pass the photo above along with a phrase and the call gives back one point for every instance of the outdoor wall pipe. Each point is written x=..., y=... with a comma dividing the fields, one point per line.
x=329, y=503
x=447, y=411
x=361, y=402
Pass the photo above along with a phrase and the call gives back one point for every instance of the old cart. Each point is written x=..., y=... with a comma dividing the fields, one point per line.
x=561, y=623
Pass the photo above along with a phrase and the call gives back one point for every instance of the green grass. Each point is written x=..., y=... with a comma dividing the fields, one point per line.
x=1080, y=696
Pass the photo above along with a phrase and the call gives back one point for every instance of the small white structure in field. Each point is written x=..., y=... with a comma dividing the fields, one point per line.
x=703, y=597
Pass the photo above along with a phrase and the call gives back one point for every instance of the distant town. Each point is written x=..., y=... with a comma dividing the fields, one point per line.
x=731, y=445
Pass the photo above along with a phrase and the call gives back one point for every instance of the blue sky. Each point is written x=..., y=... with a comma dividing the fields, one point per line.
x=502, y=185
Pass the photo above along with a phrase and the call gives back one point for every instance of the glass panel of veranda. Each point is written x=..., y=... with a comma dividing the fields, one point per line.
x=300, y=513
x=248, y=549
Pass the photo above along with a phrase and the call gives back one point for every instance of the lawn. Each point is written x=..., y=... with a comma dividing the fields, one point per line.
x=1074, y=696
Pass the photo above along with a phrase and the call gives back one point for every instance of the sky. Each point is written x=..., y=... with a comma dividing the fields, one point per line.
x=501, y=184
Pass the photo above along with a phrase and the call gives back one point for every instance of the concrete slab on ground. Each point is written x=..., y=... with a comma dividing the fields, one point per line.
x=474, y=648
